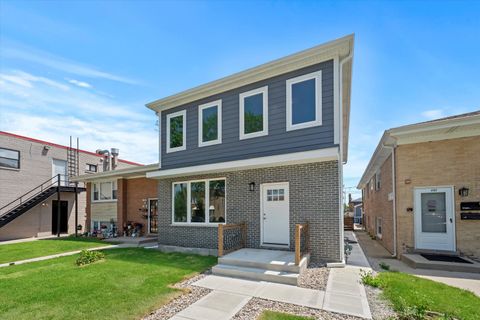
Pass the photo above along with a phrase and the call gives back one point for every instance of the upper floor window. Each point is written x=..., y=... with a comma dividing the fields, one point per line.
x=104, y=191
x=254, y=113
x=210, y=123
x=9, y=158
x=176, y=131
x=304, y=101
x=90, y=167
x=377, y=180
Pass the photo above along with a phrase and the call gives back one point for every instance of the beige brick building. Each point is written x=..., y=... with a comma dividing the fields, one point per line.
x=421, y=189
x=26, y=163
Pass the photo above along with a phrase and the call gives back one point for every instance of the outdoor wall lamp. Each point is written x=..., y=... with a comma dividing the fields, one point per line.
x=251, y=186
x=463, y=192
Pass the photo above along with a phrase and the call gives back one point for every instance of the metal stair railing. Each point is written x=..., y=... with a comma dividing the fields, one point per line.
x=54, y=181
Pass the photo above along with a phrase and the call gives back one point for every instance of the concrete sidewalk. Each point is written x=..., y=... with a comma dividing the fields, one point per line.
x=377, y=254
x=53, y=256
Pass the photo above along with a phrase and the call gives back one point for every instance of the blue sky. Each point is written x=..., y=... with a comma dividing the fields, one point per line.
x=88, y=68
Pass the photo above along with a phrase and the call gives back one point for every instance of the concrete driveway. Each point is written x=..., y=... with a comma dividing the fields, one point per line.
x=376, y=253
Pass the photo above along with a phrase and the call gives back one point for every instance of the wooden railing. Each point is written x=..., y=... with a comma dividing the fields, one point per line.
x=348, y=223
x=231, y=237
x=302, y=241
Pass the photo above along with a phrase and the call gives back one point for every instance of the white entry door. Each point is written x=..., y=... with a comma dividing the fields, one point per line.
x=59, y=167
x=434, y=219
x=275, y=214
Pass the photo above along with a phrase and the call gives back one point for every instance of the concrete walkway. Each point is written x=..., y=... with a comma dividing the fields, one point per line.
x=53, y=256
x=376, y=254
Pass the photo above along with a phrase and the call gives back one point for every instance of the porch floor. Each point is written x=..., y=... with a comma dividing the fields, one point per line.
x=262, y=256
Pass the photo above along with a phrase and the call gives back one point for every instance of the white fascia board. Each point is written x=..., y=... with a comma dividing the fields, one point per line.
x=327, y=154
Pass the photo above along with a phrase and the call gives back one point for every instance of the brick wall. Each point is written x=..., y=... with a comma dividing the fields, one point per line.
x=314, y=197
x=137, y=190
x=376, y=204
x=454, y=162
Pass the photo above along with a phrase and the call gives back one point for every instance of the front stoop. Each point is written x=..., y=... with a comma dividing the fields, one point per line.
x=418, y=262
x=261, y=265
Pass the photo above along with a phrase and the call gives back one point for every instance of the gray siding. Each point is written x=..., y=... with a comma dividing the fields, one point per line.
x=314, y=199
x=278, y=141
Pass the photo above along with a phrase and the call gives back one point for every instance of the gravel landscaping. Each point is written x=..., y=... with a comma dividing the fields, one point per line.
x=315, y=277
x=379, y=307
x=256, y=306
x=191, y=295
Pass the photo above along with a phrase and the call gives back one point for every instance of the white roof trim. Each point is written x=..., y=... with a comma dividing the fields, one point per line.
x=120, y=173
x=320, y=155
x=330, y=50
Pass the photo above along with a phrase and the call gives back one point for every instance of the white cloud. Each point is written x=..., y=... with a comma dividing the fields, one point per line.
x=58, y=63
x=81, y=84
x=433, y=114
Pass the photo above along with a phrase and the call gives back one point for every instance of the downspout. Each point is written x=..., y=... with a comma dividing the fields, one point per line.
x=394, y=204
x=340, y=162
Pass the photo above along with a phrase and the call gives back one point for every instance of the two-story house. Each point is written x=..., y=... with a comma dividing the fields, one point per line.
x=252, y=159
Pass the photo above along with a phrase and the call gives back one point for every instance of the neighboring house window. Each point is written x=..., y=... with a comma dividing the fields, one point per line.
x=176, y=131
x=196, y=202
x=254, y=113
x=9, y=158
x=304, y=101
x=105, y=191
x=91, y=167
x=210, y=123
x=379, y=227
x=371, y=183
x=377, y=180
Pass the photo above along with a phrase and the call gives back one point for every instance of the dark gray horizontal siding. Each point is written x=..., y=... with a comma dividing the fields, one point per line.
x=278, y=140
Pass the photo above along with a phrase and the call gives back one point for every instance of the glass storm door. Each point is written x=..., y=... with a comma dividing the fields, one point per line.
x=434, y=219
x=275, y=214
x=152, y=215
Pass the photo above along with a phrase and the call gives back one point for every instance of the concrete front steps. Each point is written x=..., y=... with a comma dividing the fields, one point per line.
x=416, y=261
x=261, y=265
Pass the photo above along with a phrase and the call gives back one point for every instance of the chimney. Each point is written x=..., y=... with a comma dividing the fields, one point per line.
x=106, y=159
x=114, y=152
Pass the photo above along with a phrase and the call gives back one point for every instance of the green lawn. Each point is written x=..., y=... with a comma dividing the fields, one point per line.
x=128, y=284
x=405, y=290
x=271, y=315
x=33, y=249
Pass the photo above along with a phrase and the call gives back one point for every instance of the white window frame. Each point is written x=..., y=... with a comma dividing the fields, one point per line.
x=378, y=183
x=378, y=227
x=113, y=183
x=182, y=113
x=189, y=201
x=317, y=75
x=242, y=96
x=218, y=104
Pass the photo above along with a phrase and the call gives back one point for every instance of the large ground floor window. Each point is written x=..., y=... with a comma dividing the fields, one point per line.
x=199, y=201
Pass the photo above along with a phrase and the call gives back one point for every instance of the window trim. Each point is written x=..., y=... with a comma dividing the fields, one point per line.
x=218, y=104
x=89, y=165
x=182, y=113
x=189, y=200
x=378, y=181
x=317, y=75
x=105, y=200
x=242, y=96
x=19, y=159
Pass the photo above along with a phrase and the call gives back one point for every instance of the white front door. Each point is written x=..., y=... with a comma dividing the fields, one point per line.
x=275, y=214
x=434, y=219
x=59, y=167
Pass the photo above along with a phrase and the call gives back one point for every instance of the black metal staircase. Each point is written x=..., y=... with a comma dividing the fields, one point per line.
x=30, y=199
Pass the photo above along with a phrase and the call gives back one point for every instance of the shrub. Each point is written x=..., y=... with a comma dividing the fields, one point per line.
x=87, y=257
x=369, y=279
x=384, y=266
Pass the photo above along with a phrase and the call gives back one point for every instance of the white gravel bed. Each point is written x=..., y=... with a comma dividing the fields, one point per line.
x=254, y=308
x=379, y=307
x=191, y=294
x=314, y=277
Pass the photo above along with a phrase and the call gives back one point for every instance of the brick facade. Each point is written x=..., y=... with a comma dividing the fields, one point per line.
x=454, y=162
x=376, y=204
x=314, y=198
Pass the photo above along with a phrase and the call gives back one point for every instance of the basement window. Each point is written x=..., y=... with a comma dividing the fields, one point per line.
x=9, y=158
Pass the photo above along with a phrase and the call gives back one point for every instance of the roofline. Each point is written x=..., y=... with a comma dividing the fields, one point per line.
x=61, y=146
x=117, y=173
x=390, y=137
x=337, y=48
